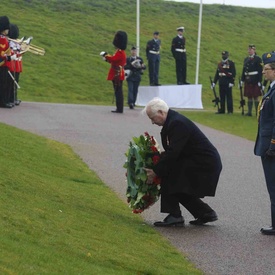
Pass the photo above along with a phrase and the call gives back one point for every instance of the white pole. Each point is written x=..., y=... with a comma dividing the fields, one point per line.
x=198, y=46
x=137, y=28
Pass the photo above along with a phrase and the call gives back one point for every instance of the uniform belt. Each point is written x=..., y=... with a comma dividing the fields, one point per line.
x=180, y=50
x=251, y=73
x=153, y=52
x=225, y=74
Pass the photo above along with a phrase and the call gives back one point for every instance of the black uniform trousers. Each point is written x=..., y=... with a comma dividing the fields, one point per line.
x=119, y=95
x=153, y=66
x=170, y=203
x=269, y=172
x=226, y=95
x=4, y=89
x=181, y=69
x=132, y=90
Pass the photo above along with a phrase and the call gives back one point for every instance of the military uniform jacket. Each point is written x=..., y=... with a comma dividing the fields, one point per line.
x=135, y=73
x=178, y=43
x=153, y=46
x=252, y=70
x=118, y=61
x=4, y=49
x=225, y=73
x=190, y=164
x=266, y=128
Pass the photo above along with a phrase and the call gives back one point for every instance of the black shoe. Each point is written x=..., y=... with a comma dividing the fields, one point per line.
x=248, y=114
x=116, y=111
x=7, y=105
x=157, y=84
x=208, y=217
x=131, y=106
x=180, y=83
x=186, y=83
x=170, y=221
x=17, y=102
x=219, y=113
x=268, y=230
x=152, y=84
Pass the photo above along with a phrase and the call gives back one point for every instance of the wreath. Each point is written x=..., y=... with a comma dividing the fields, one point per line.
x=143, y=152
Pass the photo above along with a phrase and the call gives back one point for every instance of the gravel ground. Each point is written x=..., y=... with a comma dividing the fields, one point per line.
x=232, y=245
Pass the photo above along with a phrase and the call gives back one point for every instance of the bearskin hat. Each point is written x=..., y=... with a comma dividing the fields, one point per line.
x=120, y=40
x=14, y=31
x=4, y=23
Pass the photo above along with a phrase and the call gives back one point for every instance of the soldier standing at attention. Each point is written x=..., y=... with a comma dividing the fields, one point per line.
x=252, y=78
x=116, y=72
x=153, y=57
x=179, y=52
x=5, y=56
x=225, y=74
x=135, y=66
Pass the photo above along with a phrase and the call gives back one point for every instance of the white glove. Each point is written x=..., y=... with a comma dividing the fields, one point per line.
x=259, y=84
x=263, y=87
x=230, y=85
x=240, y=84
x=213, y=85
x=103, y=53
x=13, y=57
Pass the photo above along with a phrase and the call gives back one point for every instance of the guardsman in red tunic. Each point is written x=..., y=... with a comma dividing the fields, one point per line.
x=5, y=55
x=15, y=66
x=116, y=72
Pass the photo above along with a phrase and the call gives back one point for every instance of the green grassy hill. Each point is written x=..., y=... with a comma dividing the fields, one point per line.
x=73, y=34
x=57, y=217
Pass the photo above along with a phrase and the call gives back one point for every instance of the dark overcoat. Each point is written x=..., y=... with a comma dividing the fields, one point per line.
x=266, y=128
x=190, y=163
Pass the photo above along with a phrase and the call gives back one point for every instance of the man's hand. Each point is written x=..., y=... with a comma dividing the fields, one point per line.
x=230, y=85
x=150, y=175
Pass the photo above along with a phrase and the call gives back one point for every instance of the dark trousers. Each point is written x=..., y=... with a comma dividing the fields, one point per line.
x=132, y=91
x=170, y=203
x=153, y=65
x=226, y=95
x=269, y=172
x=181, y=70
x=4, y=89
x=119, y=95
x=11, y=88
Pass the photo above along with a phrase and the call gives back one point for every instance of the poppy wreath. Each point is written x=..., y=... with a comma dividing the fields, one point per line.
x=143, y=152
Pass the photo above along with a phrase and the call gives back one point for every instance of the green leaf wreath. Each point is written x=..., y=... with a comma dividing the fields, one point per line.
x=142, y=152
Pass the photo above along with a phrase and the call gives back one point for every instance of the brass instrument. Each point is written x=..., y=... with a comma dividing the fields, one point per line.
x=26, y=46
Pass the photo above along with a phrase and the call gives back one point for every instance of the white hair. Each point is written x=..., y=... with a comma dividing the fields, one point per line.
x=155, y=105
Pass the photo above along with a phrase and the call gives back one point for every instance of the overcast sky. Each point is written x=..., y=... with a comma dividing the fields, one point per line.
x=244, y=3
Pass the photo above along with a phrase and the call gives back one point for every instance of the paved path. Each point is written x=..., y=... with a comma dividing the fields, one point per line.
x=232, y=245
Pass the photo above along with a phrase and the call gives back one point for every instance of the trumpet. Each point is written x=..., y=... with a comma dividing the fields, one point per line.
x=26, y=46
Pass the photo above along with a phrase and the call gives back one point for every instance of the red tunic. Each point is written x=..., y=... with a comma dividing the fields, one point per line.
x=118, y=61
x=4, y=49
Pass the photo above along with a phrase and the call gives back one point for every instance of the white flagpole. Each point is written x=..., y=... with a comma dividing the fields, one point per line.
x=137, y=28
x=198, y=46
